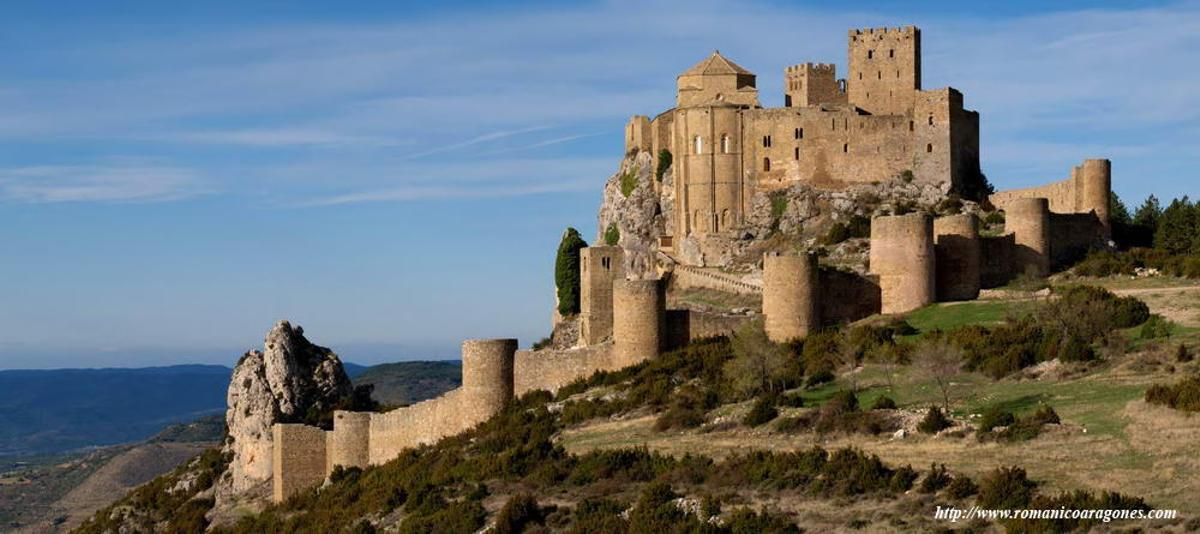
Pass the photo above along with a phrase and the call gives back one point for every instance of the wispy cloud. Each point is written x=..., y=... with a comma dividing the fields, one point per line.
x=117, y=181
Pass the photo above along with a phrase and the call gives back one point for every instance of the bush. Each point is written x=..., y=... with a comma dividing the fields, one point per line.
x=566, y=271
x=791, y=400
x=758, y=365
x=762, y=412
x=995, y=417
x=937, y=479
x=1182, y=354
x=857, y=226
x=1183, y=395
x=520, y=511
x=629, y=181
x=1006, y=487
x=1018, y=429
x=884, y=403
x=993, y=218
x=664, y=163
x=1155, y=327
x=842, y=402
x=961, y=487
x=612, y=235
x=820, y=377
x=934, y=421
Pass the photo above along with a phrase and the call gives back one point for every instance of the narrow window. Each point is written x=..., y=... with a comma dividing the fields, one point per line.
x=880, y=74
x=766, y=164
x=929, y=148
x=897, y=74
x=604, y=263
x=845, y=147
x=860, y=74
x=699, y=145
x=845, y=124
x=931, y=120
x=724, y=219
x=833, y=123
x=910, y=126
x=892, y=52
x=870, y=54
x=796, y=153
x=799, y=133
x=724, y=144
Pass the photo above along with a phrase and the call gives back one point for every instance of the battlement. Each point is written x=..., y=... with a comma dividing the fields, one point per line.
x=804, y=68
x=901, y=32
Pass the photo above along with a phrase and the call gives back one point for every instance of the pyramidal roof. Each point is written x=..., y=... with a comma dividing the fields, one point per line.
x=715, y=64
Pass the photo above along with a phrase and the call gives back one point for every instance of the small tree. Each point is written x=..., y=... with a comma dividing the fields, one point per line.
x=566, y=271
x=1176, y=232
x=612, y=235
x=939, y=361
x=759, y=365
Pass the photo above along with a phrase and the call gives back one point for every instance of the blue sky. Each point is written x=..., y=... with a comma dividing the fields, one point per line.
x=395, y=176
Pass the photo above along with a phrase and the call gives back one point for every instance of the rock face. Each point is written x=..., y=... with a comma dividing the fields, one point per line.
x=289, y=381
x=633, y=205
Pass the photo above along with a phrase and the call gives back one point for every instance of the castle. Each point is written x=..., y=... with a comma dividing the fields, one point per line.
x=874, y=125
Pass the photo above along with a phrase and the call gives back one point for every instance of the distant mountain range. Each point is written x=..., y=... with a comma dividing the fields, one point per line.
x=59, y=410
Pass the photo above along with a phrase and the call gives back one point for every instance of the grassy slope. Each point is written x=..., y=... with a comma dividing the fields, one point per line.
x=1111, y=439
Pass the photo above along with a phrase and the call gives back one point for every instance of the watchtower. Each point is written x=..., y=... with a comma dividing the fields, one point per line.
x=885, y=69
x=811, y=84
x=598, y=268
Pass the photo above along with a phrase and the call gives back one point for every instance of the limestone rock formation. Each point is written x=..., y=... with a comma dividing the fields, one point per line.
x=289, y=381
x=633, y=205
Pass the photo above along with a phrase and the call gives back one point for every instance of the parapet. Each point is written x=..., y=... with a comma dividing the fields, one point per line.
x=956, y=240
x=639, y=307
x=902, y=254
x=1028, y=219
x=487, y=380
x=299, y=459
x=905, y=31
x=790, y=295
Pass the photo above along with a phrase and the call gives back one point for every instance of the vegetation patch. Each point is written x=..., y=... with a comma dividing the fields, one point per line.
x=1183, y=395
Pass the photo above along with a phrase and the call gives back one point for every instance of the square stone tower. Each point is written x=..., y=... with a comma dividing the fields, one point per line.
x=811, y=84
x=885, y=69
x=598, y=268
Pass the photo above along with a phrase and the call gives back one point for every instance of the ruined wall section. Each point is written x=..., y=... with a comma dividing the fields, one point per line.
x=298, y=459
x=598, y=268
x=956, y=242
x=902, y=254
x=790, y=296
x=885, y=69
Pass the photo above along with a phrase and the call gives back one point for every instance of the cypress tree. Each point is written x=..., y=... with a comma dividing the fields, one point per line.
x=566, y=271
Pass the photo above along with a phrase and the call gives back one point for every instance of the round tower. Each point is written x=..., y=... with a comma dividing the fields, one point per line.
x=1096, y=189
x=956, y=241
x=638, y=308
x=347, y=444
x=902, y=254
x=487, y=375
x=790, y=295
x=1028, y=219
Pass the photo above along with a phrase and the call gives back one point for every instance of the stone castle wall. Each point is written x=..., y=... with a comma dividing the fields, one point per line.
x=956, y=243
x=790, y=296
x=687, y=276
x=598, y=267
x=902, y=254
x=298, y=459
x=638, y=309
x=553, y=369
x=1087, y=190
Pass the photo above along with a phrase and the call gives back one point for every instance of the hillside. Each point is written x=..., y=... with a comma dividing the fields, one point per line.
x=409, y=382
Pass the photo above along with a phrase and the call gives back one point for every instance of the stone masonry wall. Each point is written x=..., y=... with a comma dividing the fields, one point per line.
x=299, y=459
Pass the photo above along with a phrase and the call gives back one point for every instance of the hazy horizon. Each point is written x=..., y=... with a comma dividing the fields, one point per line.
x=175, y=179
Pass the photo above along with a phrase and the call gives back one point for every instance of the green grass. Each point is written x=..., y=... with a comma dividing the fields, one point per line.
x=954, y=315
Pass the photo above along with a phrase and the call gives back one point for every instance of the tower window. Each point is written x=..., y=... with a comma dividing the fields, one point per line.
x=796, y=153
x=833, y=123
x=929, y=148
x=879, y=74
x=767, y=141
x=910, y=126
x=931, y=120
x=897, y=74
x=892, y=52
x=699, y=148
x=766, y=164
x=799, y=133
x=605, y=262
x=845, y=147
x=870, y=54
x=860, y=74
x=724, y=144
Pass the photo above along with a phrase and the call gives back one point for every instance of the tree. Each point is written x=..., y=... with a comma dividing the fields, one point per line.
x=566, y=271
x=759, y=365
x=939, y=361
x=1177, y=232
x=1148, y=213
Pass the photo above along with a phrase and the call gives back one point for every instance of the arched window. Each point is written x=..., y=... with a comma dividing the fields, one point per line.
x=766, y=164
x=699, y=148
x=724, y=144
x=724, y=219
x=766, y=141
x=845, y=147
x=696, y=219
x=929, y=148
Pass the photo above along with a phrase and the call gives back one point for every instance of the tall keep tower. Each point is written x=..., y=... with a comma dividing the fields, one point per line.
x=885, y=69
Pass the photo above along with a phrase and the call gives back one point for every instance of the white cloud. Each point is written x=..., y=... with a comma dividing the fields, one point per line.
x=114, y=181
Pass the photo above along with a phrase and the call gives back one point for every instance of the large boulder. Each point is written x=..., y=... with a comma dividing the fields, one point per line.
x=290, y=381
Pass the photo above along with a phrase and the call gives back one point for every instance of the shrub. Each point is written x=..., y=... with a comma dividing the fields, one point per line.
x=1182, y=354
x=542, y=343
x=857, y=226
x=520, y=511
x=629, y=181
x=779, y=204
x=791, y=400
x=961, y=487
x=664, y=163
x=1155, y=327
x=655, y=510
x=600, y=515
x=566, y=271
x=1046, y=415
x=937, y=479
x=758, y=365
x=993, y=218
x=1183, y=395
x=820, y=377
x=842, y=402
x=1006, y=487
x=884, y=403
x=612, y=235
x=687, y=409
x=995, y=417
x=452, y=518
x=933, y=422
x=762, y=412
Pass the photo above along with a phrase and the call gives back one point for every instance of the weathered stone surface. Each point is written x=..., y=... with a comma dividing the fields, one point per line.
x=638, y=216
x=289, y=381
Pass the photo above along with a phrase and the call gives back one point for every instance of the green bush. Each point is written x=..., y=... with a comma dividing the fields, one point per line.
x=519, y=512
x=664, y=163
x=995, y=417
x=1155, y=327
x=937, y=479
x=791, y=400
x=993, y=218
x=762, y=412
x=1006, y=487
x=612, y=235
x=823, y=376
x=933, y=422
x=629, y=181
x=1183, y=395
x=1182, y=354
x=884, y=403
x=566, y=271
x=857, y=227
x=961, y=487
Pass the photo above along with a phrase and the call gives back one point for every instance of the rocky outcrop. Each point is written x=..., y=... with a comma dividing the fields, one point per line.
x=632, y=205
x=290, y=381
